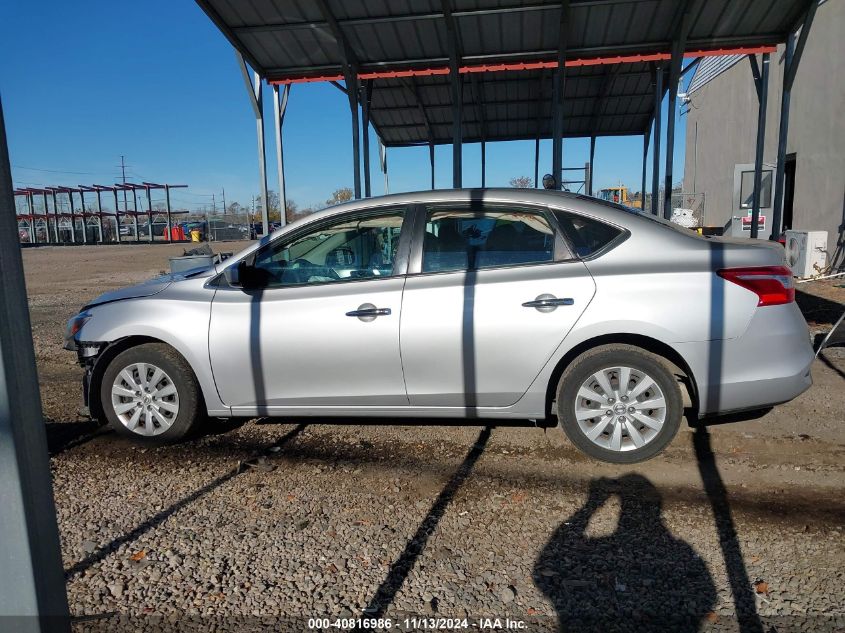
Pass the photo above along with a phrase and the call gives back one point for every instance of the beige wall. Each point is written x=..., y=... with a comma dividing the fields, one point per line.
x=725, y=113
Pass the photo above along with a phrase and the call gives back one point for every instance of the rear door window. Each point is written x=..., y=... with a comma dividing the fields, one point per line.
x=588, y=237
x=470, y=240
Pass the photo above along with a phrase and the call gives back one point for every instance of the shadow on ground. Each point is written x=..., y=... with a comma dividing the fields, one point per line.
x=640, y=577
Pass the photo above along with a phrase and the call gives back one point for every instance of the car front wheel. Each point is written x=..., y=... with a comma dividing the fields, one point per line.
x=619, y=404
x=149, y=393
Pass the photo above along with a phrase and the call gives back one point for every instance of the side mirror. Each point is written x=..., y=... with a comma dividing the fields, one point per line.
x=234, y=274
x=244, y=275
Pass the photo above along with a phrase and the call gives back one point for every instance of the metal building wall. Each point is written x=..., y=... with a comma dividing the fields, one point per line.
x=725, y=110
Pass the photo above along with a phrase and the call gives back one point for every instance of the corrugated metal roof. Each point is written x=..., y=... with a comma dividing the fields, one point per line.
x=709, y=68
x=295, y=39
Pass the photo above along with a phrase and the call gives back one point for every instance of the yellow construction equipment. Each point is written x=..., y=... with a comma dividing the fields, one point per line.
x=619, y=195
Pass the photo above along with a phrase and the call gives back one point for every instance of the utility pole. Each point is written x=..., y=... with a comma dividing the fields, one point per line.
x=224, y=200
x=213, y=212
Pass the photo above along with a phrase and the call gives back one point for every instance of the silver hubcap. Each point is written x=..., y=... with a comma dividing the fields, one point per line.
x=145, y=399
x=620, y=408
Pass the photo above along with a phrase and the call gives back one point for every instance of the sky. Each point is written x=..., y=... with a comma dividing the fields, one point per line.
x=83, y=84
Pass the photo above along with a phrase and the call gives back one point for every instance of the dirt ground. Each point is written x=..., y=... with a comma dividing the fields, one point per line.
x=738, y=522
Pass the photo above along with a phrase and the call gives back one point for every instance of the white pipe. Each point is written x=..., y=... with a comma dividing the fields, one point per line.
x=803, y=281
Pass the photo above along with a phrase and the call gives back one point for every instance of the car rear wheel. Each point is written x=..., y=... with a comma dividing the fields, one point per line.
x=149, y=393
x=619, y=403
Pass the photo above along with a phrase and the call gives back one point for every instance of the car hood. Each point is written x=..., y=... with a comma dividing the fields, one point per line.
x=150, y=287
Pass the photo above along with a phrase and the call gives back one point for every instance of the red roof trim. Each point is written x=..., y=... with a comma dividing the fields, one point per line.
x=534, y=65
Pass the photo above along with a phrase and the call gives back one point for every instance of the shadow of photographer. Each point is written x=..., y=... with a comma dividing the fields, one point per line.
x=640, y=577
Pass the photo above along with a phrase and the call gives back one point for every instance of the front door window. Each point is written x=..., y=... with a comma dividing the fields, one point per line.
x=358, y=247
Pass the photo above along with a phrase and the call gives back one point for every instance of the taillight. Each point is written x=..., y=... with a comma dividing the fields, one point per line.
x=773, y=285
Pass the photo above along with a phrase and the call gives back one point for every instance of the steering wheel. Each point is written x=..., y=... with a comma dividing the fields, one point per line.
x=300, y=263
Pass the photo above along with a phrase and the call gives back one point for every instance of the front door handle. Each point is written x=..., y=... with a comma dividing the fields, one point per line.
x=368, y=312
x=548, y=303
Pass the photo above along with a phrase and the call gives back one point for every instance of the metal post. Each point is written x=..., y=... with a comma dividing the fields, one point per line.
x=116, y=215
x=655, y=168
x=537, y=160
x=150, y=214
x=365, y=131
x=279, y=109
x=783, y=132
x=100, y=214
x=483, y=163
x=55, y=225
x=761, y=136
x=645, y=164
x=72, y=218
x=135, y=217
x=674, y=79
x=32, y=586
x=351, y=78
x=457, y=138
x=254, y=89
x=792, y=58
x=169, y=215
x=30, y=204
x=431, y=162
x=84, y=226
x=56, y=214
x=383, y=160
x=557, y=97
x=592, y=158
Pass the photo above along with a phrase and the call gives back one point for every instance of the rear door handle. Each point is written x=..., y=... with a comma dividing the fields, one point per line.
x=368, y=312
x=548, y=303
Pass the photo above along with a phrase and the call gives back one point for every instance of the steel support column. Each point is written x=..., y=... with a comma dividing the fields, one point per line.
x=280, y=106
x=350, y=74
x=537, y=161
x=792, y=58
x=72, y=217
x=688, y=8
x=455, y=86
x=253, y=88
x=100, y=213
x=762, y=83
x=351, y=77
x=674, y=76
x=646, y=137
x=365, y=133
x=382, y=150
x=150, y=214
x=116, y=215
x=32, y=585
x=558, y=89
x=655, y=167
x=169, y=213
x=483, y=163
x=431, y=162
x=30, y=205
x=592, y=159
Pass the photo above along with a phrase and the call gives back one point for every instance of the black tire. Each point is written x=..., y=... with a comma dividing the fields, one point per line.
x=190, y=408
x=609, y=356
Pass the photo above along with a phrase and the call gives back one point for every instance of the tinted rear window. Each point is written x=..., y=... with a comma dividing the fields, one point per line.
x=586, y=235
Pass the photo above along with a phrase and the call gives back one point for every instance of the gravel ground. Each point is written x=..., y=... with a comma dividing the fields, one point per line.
x=261, y=526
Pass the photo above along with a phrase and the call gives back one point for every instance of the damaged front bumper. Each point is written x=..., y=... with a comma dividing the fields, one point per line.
x=87, y=354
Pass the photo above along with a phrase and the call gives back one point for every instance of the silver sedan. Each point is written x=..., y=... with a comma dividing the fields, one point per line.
x=477, y=304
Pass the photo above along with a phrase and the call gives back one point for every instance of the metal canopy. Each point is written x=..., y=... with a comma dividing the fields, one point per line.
x=598, y=100
x=507, y=50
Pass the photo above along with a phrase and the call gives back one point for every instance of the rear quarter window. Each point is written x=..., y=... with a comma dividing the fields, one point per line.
x=587, y=236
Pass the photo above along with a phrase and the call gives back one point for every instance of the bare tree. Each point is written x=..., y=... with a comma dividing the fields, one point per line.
x=522, y=182
x=344, y=194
